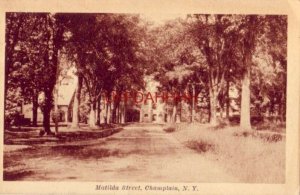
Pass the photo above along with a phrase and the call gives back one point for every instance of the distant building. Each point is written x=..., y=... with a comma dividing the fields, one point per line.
x=152, y=111
x=65, y=96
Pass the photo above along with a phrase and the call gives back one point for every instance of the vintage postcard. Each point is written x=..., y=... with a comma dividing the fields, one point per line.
x=149, y=97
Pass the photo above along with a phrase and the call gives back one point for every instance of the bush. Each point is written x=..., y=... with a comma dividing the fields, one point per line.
x=169, y=129
x=268, y=137
x=201, y=146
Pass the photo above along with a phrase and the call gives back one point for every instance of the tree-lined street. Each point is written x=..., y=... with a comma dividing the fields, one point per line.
x=205, y=56
x=81, y=94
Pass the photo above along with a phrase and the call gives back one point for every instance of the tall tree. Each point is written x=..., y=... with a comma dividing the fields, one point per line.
x=105, y=47
x=210, y=33
x=39, y=41
x=247, y=52
x=76, y=103
x=22, y=58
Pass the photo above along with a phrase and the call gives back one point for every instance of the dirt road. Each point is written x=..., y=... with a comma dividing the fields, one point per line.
x=139, y=153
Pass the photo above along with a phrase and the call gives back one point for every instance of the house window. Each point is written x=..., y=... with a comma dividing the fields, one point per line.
x=146, y=115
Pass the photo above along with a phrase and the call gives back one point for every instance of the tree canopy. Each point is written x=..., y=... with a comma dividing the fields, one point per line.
x=202, y=55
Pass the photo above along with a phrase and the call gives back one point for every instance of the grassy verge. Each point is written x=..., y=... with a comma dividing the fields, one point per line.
x=30, y=135
x=250, y=156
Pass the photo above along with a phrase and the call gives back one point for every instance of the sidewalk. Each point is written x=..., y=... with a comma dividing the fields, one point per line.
x=30, y=135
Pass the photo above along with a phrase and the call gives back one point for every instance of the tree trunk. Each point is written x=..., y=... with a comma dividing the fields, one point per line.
x=193, y=105
x=222, y=111
x=122, y=113
x=76, y=104
x=75, y=111
x=213, y=107
x=173, y=119
x=150, y=111
x=56, y=111
x=115, y=112
x=249, y=44
x=96, y=112
x=282, y=108
x=35, y=106
x=103, y=114
x=118, y=115
x=178, y=112
x=227, y=99
x=169, y=118
x=92, y=122
x=209, y=111
x=141, y=114
x=52, y=64
x=99, y=112
x=46, y=120
x=245, y=102
x=108, y=111
x=47, y=112
x=118, y=118
x=280, y=113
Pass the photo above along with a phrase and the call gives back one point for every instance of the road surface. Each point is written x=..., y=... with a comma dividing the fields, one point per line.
x=139, y=153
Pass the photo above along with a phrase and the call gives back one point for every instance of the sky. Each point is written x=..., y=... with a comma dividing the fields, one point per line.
x=161, y=18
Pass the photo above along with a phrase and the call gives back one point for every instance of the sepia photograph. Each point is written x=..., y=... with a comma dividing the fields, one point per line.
x=148, y=102
x=117, y=97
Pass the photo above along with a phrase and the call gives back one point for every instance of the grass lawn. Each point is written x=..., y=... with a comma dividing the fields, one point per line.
x=251, y=156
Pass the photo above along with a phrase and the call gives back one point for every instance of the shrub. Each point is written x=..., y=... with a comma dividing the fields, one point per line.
x=169, y=129
x=200, y=146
